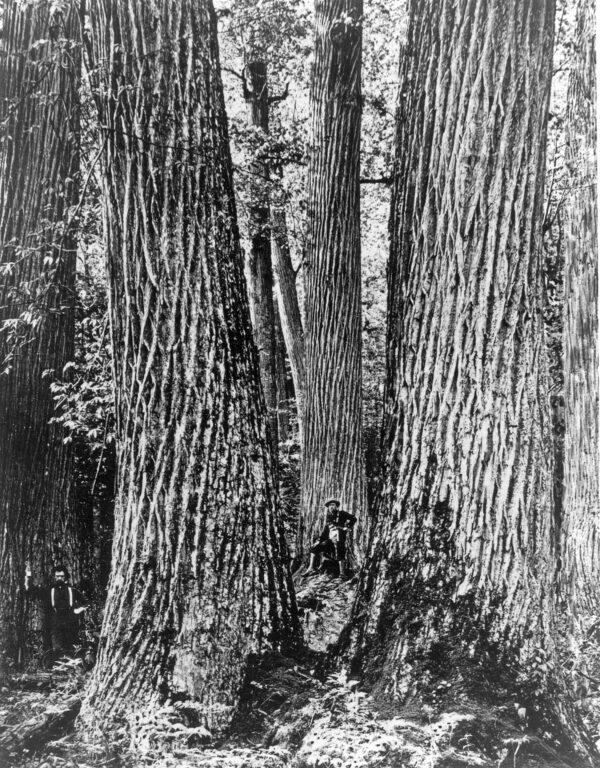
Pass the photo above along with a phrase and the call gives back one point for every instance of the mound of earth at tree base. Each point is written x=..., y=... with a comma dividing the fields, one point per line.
x=324, y=605
x=320, y=721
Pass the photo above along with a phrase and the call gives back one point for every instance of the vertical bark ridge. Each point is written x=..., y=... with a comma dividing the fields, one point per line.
x=39, y=164
x=332, y=460
x=200, y=578
x=582, y=459
x=464, y=550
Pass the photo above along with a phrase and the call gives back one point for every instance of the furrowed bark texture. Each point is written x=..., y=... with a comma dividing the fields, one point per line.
x=463, y=557
x=39, y=160
x=199, y=578
x=256, y=94
x=332, y=460
x=582, y=461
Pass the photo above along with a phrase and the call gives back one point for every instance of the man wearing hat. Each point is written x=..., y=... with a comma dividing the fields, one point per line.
x=331, y=544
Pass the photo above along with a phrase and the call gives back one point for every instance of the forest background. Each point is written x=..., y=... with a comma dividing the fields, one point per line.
x=64, y=431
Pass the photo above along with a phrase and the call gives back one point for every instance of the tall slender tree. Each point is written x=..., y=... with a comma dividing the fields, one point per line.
x=286, y=292
x=463, y=561
x=256, y=93
x=199, y=576
x=267, y=43
x=284, y=390
x=582, y=458
x=39, y=163
x=332, y=460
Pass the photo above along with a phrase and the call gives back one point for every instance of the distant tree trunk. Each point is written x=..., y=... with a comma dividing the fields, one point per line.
x=332, y=459
x=265, y=258
x=199, y=578
x=287, y=298
x=286, y=292
x=582, y=461
x=39, y=163
x=256, y=93
x=463, y=562
x=283, y=394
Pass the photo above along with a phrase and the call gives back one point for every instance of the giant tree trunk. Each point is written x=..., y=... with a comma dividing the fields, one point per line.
x=199, y=578
x=464, y=558
x=332, y=460
x=256, y=93
x=39, y=161
x=582, y=461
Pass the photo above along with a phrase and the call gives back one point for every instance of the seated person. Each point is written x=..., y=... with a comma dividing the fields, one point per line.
x=331, y=544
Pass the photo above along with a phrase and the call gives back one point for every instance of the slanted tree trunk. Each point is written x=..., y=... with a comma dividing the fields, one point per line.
x=284, y=394
x=256, y=93
x=582, y=461
x=199, y=577
x=39, y=163
x=332, y=460
x=287, y=298
x=463, y=562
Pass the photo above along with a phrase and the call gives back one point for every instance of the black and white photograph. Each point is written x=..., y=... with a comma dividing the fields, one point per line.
x=299, y=384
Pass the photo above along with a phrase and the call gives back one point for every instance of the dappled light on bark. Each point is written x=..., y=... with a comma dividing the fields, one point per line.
x=582, y=496
x=464, y=556
x=199, y=576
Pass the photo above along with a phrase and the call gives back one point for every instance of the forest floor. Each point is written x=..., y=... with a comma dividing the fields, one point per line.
x=296, y=713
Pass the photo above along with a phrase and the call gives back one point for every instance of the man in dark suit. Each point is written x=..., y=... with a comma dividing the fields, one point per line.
x=331, y=544
x=62, y=605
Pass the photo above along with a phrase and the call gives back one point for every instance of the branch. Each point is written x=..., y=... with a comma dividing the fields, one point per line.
x=233, y=72
x=381, y=180
x=591, y=679
x=281, y=96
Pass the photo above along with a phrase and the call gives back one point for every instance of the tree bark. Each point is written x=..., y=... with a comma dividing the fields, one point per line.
x=39, y=164
x=582, y=465
x=200, y=578
x=256, y=93
x=332, y=459
x=463, y=560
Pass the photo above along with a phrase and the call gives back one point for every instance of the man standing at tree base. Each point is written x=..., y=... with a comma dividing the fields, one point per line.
x=62, y=605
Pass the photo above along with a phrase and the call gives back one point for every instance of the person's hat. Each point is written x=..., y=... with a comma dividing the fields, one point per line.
x=332, y=501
